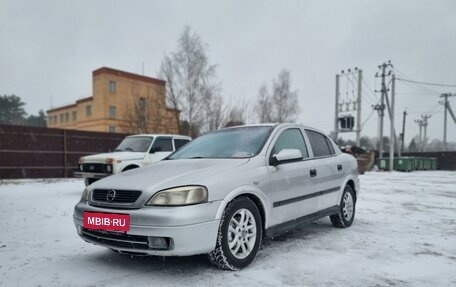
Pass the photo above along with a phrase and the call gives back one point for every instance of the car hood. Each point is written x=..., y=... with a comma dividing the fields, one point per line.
x=123, y=155
x=169, y=173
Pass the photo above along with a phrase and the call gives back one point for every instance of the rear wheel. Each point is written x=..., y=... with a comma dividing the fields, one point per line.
x=346, y=213
x=239, y=235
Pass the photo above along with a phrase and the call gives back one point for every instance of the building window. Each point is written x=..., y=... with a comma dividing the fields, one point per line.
x=67, y=117
x=112, y=129
x=112, y=87
x=142, y=103
x=112, y=111
x=55, y=120
x=73, y=116
x=88, y=110
x=61, y=118
x=50, y=118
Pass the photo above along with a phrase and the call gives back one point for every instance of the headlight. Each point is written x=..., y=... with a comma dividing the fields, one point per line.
x=86, y=194
x=183, y=195
x=109, y=168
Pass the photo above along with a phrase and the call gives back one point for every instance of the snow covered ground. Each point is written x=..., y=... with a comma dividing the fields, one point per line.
x=404, y=235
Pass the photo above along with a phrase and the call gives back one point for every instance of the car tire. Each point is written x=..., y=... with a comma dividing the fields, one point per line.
x=346, y=214
x=239, y=235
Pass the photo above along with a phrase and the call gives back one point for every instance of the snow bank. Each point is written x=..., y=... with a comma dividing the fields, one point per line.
x=404, y=234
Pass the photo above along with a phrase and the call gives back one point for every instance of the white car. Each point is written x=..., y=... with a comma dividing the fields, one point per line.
x=133, y=152
x=220, y=194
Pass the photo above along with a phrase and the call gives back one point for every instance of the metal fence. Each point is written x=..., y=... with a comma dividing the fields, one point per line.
x=31, y=152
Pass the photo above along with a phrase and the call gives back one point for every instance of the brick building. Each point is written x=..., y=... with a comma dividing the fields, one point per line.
x=122, y=102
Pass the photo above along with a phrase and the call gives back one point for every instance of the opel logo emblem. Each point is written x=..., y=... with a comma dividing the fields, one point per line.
x=111, y=195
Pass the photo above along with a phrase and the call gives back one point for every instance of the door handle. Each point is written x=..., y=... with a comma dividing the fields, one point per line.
x=339, y=167
x=313, y=172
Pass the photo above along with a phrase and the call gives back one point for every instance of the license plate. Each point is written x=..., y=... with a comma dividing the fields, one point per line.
x=88, y=175
x=107, y=221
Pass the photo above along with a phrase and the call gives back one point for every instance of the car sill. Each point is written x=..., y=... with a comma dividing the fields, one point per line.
x=293, y=224
x=304, y=197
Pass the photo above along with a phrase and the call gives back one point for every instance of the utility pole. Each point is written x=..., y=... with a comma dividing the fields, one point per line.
x=420, y=124
x=392, y=131
x=446, y=106
x=403, y=130
x=425, y=124
x=381, y=108
x=358, y=108
x=336, y=119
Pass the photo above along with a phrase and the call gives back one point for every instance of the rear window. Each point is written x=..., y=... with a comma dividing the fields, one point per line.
x=178, y=143
x=320, y=144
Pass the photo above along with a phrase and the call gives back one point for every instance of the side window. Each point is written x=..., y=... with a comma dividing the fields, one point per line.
x=164, y=144
x=178, y=143
x=319, y=144
x=290, y=139
x=331, y=147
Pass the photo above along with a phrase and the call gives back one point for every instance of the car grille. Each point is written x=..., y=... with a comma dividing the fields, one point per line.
x=120, y=196
x=121, y=240
x=94, y=167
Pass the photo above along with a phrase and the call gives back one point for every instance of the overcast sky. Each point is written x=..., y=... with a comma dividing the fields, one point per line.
x=48, y=49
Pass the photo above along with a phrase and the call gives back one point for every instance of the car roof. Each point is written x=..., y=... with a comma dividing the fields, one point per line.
x=160, y=135
x=278, y=125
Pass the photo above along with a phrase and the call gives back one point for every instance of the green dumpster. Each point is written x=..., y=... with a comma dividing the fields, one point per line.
x=426, y=163
x=419, y=163
x=400, y=164
x=433, y=163
x=404, y=164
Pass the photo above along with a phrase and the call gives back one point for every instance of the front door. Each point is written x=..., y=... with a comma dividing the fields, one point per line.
x=291, y=182
x=161, y=148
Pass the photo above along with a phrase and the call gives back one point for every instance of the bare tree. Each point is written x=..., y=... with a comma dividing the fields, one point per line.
x=264, y=106
x=280, y=106
x=237, y=116
x=190, y=81
x=144, y=111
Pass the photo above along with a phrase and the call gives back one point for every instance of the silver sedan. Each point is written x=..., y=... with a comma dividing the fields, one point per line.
x=221, y=193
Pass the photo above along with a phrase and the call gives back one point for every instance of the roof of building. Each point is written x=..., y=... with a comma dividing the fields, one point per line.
x=70, y=105
x=106, y=70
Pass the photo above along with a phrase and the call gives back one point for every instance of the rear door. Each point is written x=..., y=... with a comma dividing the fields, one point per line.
x=290, y=184
x=329, y=172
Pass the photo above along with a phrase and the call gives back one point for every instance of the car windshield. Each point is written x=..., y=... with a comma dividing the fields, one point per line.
x=137, y=144
x=239, y=142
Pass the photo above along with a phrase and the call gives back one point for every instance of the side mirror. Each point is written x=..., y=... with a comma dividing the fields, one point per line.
x=286, y=155
x=155, y=149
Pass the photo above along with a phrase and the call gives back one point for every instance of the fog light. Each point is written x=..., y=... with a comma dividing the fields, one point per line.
x=158, y=242
x=78, y=228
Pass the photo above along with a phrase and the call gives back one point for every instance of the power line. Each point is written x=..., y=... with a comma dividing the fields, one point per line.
x=421, y=88
x=427, y=83
x=368, y=117
x=371, y=92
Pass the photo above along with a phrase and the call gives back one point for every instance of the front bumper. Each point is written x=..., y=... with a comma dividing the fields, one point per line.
x=191, y=229
x=82, y=174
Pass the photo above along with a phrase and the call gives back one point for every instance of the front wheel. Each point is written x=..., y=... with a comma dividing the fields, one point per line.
x=239, y=235
x=346, y=214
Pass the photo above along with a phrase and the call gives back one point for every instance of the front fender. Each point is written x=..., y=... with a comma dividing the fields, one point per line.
x=246, y=190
